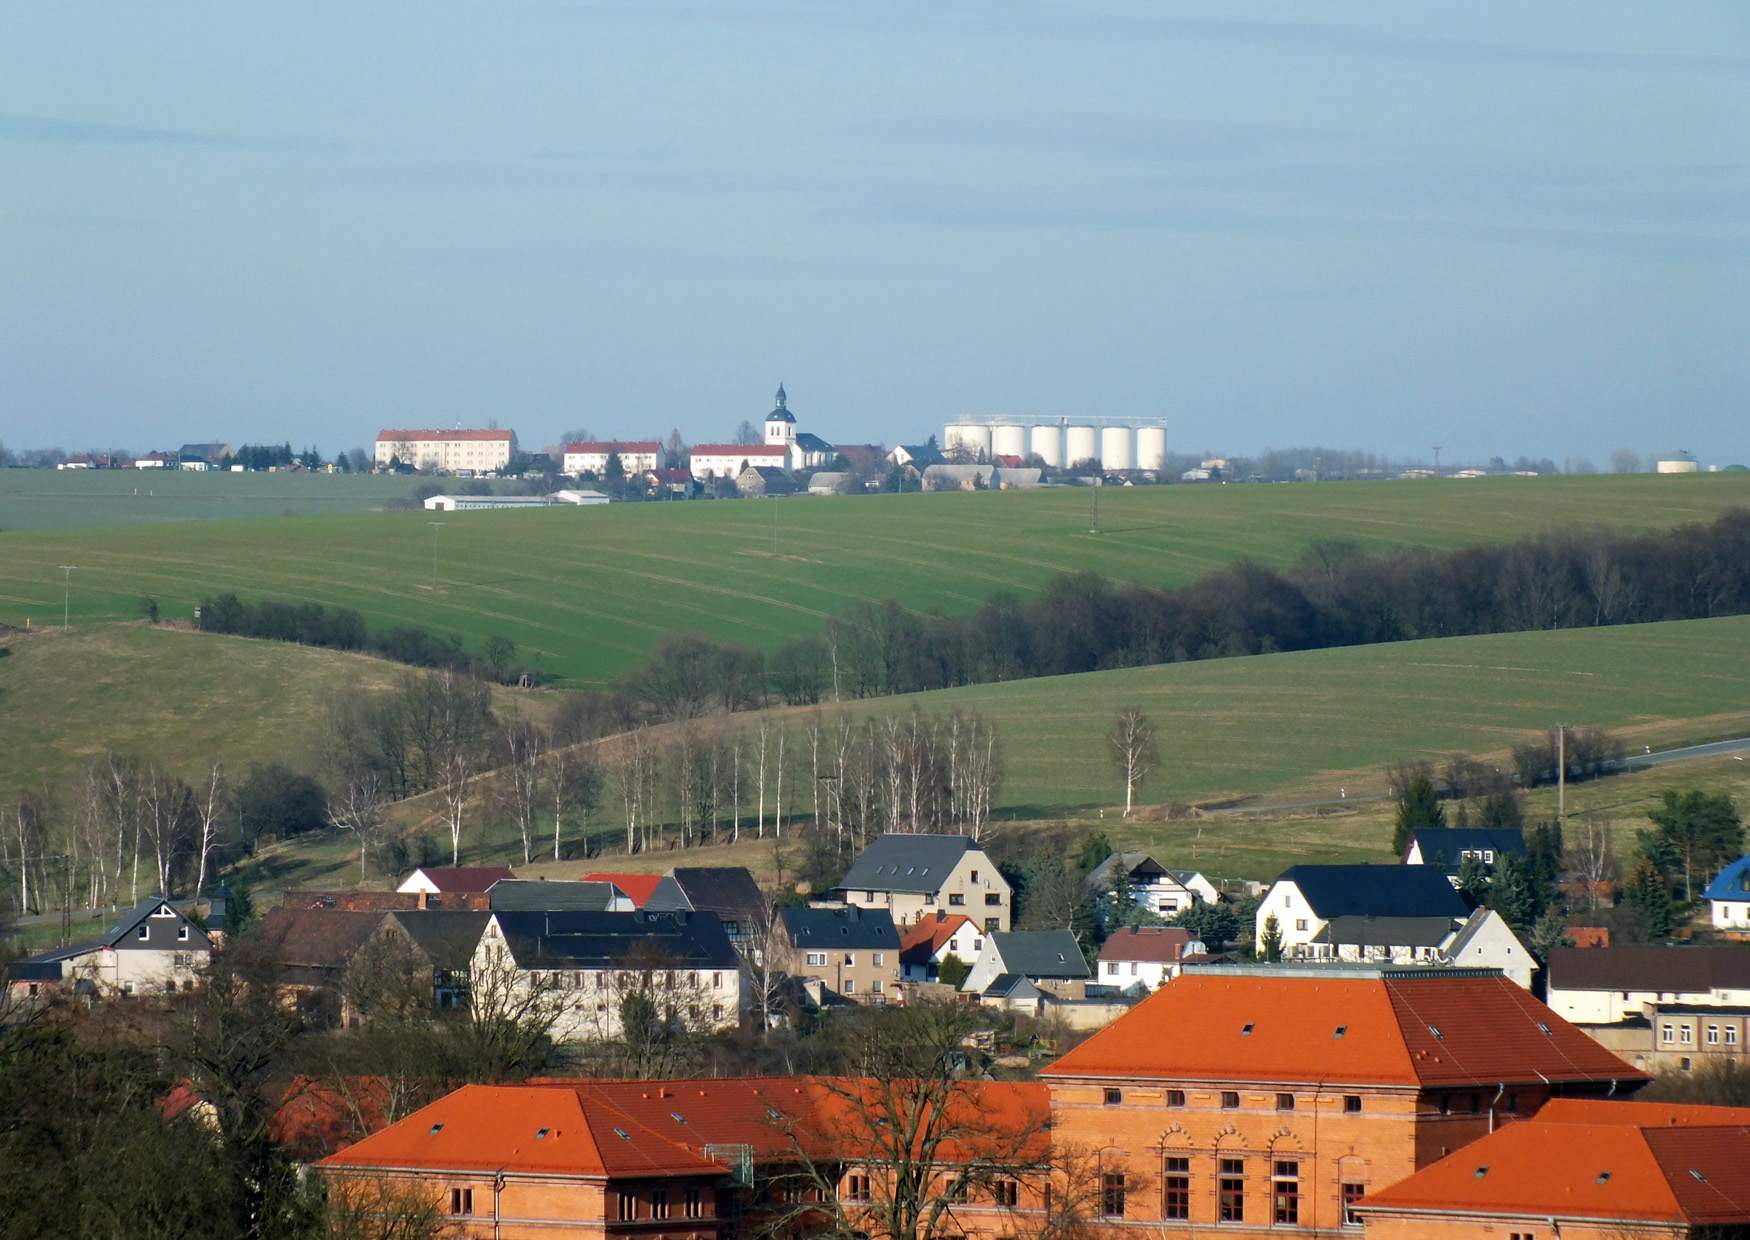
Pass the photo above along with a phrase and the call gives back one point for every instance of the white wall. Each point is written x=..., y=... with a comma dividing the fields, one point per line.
x=1297, y=922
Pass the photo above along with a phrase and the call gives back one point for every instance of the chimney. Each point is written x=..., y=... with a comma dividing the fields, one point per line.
x=422, y=900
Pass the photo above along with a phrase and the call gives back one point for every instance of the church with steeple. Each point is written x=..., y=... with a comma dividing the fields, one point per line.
x=802, y=451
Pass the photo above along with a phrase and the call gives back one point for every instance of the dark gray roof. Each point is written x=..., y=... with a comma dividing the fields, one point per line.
x=533, y=895
x=1102, y=876
x=1446, y=846
x=1040, y=953
x=161, y=931
x=869, y=928
x=1386, y=931
x=913, y=863
x=812, y=443
x=1376, y=891
x=727, y=890
x=447, y=938
x=1664, y=970
x=606, y=940
x=1012, y=986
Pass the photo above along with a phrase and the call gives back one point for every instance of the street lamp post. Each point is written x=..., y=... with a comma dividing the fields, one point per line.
x=435, y=527
x=66, y=591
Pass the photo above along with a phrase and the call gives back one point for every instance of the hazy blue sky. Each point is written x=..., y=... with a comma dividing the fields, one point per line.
x=1499, y=227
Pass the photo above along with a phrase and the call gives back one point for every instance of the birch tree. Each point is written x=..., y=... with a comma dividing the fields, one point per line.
x=166, y=812
x=359, y=809
x=1134, y=749
x=210, y=815
x=525, y=747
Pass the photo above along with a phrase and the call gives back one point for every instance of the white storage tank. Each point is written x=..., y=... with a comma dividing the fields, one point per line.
x=1008, y=439
x=1080, y=443
x=968, y=435
x=1151, y=447
x=1115, y=447
x=1047, y=443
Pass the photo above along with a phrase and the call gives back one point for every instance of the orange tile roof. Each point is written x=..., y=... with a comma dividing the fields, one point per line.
x=1639, y=1162
x=1328, y=1025
x=638, y=887
x=933, y=932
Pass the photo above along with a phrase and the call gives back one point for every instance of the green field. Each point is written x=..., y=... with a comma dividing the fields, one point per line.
x=52, y=499
x=586, y=593
x=173, y=697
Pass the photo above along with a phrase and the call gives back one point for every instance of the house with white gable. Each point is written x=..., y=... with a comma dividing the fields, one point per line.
x=1146, y=956
x=1728, y=900
x=1307, y=899
x=929, y=943
x=1160, y=890
x=151, y=950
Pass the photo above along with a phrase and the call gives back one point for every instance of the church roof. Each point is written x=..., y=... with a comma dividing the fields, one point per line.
x=781, y=414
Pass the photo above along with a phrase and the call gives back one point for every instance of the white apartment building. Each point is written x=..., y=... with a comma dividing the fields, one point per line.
x=592, y=458
x=479, y=451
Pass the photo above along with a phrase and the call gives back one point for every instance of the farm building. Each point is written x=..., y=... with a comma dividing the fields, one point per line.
x=764, y=480
x=830, y=483
x=483, y=451
x=474, y=503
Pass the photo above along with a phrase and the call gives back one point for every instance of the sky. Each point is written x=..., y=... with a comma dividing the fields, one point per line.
x=1502, y=228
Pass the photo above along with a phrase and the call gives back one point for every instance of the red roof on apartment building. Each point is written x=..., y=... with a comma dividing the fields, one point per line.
x=638, y=888
x=1154, y=944
x=642, y=445
x=749, y=450
x=484, y=436
x=1322, y=1023
x=1630, y=1161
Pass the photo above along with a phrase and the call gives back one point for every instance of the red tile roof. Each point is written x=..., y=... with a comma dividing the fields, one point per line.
x=465, y=877
x=641, y=445
x=1313, y=1024
x=1156, y=944
x=749, y=450
x=927, y=937
x=1642, y=1162
x=472, y=436
x=638, y=887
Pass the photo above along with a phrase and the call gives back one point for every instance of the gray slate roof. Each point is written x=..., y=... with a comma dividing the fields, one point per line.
x=616, y=940
x=540, y=896
x=1040, y=953
x=727, y=890
x=1445, y=846
x=870, y=929
x=447, y=938
x=1386, y=931
x=910, y=863
x=1376, y=891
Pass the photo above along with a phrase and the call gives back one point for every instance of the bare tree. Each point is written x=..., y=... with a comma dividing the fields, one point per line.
x=29, y=830
x=510, y=1017
x=760, y=951
x=366, y=1207
x=1134, y=749
x=167, y=814
x=209, y=811
x=453, y=717
x=519, y=787
x=1592, y=858
x=359, y=809
x=574, y=786
x=1625, y=461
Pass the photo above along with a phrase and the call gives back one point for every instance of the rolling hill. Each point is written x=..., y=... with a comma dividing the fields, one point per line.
x=586, y=593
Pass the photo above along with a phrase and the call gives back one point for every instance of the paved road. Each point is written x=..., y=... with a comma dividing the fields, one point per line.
x=1634, y=762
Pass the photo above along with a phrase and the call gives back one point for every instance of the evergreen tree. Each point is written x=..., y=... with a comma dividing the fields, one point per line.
x=1216, y=924
x=1418, y=808
x=1648, y=894
x=1550, y=932
x=1270, y=942
x=1511, y=894
x=1473, y=880
x=1700, y=831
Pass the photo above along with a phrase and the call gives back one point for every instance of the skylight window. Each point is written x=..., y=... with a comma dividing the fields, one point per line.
x=1604, y=1177
x=540, y=1134
x=1545, y=1030
x=677, y=1117
x=621, y=1133
x=1482, y=1171
x=1435, y=1030
x=1341, y=1030
x=436, y=1128
x=1698, y=1175
x=1246, y=1030
x=774, y=1114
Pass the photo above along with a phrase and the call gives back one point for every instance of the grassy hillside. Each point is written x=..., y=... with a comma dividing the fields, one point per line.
x=586, y=593
x=173, y=697
x=50, y=499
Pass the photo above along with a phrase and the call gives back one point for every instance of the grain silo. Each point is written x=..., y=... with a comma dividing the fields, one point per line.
x=1081, y=443
x=971, y=437
x=1151, y=447
x=1047, y=445
x=1008, y=439
x=1115, y=447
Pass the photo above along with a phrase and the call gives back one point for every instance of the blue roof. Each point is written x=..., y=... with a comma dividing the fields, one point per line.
x=1733, y=882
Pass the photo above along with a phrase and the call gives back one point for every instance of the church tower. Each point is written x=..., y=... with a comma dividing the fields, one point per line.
x=781, y=424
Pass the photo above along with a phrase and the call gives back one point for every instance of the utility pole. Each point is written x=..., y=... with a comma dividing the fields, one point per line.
x=435, y=527
x=1561, y=774
x=66, y=591
x=1094, y=512
x=1436, y=460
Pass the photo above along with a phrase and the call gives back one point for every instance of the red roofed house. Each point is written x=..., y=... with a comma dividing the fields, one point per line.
x=433, y=879
x=479, y=451
x=930, y=941
x=637, y=888
x=1581, y=1171
x=592, y=458
x=1251, y=1098
x=1146, y=956
x=727, y=460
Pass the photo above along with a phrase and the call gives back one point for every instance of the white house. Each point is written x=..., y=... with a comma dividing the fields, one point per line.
x=1146, y=956
x=930, y=942
x=1605, y=985
x=1728, y=899
x=152, y=949
x=728, y=460
x=1050, y=959
x=1306, y=898
x=1486, y=941
x=1156, y=888
x=155, y=460
x=592, y=458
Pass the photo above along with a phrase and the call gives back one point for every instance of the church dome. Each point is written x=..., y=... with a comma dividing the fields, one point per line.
x=781, y=414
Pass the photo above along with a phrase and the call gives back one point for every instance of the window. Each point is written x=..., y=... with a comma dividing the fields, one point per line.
x=993, y=899
x=145, y=931
x=875, y=986
x=1231, y=1191
x=1114, y=1097
x=1523, y=1235
x=850, y=985
x=1176, y=1204
x=1285, y=1102
x=880, y=959
x=1175, y=1097
x=955, y=899
x=628, y=1206
x=1667, y=1033
x=1006, y=1193
x=659, y=1203
x=856, y=1187
x=1731, y=1035
x=461, y=1201
x=992, y=924
x=1112, y=1194
x=182, y=934
x=870, y=896
x=694, y=1203
x=1285, y=1191
x=1713, y=1035
x=1351, y=1194
x=1686, y=1034
x=1133, y=968
x=929, y=897
x=817, y=959
x=1111, y=968
x=975, y=876
x=1300, y=923
x=716, y=981
x=1230, y=1099
x=850, y=960
x=1351, y=1104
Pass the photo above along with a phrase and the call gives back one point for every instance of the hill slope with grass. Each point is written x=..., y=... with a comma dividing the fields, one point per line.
x=587, y=593
x=173, y=697
x=51, y=499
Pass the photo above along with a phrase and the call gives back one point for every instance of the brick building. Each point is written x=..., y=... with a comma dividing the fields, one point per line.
x=1248, y=1099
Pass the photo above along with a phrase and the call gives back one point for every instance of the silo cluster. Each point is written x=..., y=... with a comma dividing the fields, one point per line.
x=1112, y=443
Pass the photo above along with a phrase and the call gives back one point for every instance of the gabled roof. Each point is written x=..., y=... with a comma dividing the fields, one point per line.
x=542, y=896
x=1472, y=928
x=448, y=939
x=1376, y=891
x=611, y=940
x=930, y=935
x=1154, y=944
x=1615, y=1161
x=727, y=890
x=1344, y=1025
x=1732, y=883
x=1139, y=865
x=638, y=888
x=316, y=938
x=1447, y=845
x=129, y=921
x=1385, y=931
x=1670, y=970
x=473, y=436
x=911, y=863
x=847, y=927
x=748, y=450
x=1039, y=953
x=613, y=446
x=463, y=877
x=812, y=443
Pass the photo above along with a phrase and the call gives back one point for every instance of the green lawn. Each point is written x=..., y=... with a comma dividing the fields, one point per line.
x=55, y=499
x=586, y=593
x=172, y=697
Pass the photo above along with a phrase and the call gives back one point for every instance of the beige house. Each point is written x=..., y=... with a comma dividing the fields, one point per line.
x=151, y=950
x=479, y=451
x=914, y=876
x=852, y=952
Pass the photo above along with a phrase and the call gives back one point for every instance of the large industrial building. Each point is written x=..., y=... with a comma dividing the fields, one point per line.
x=480, y=451
x=1116, y=445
